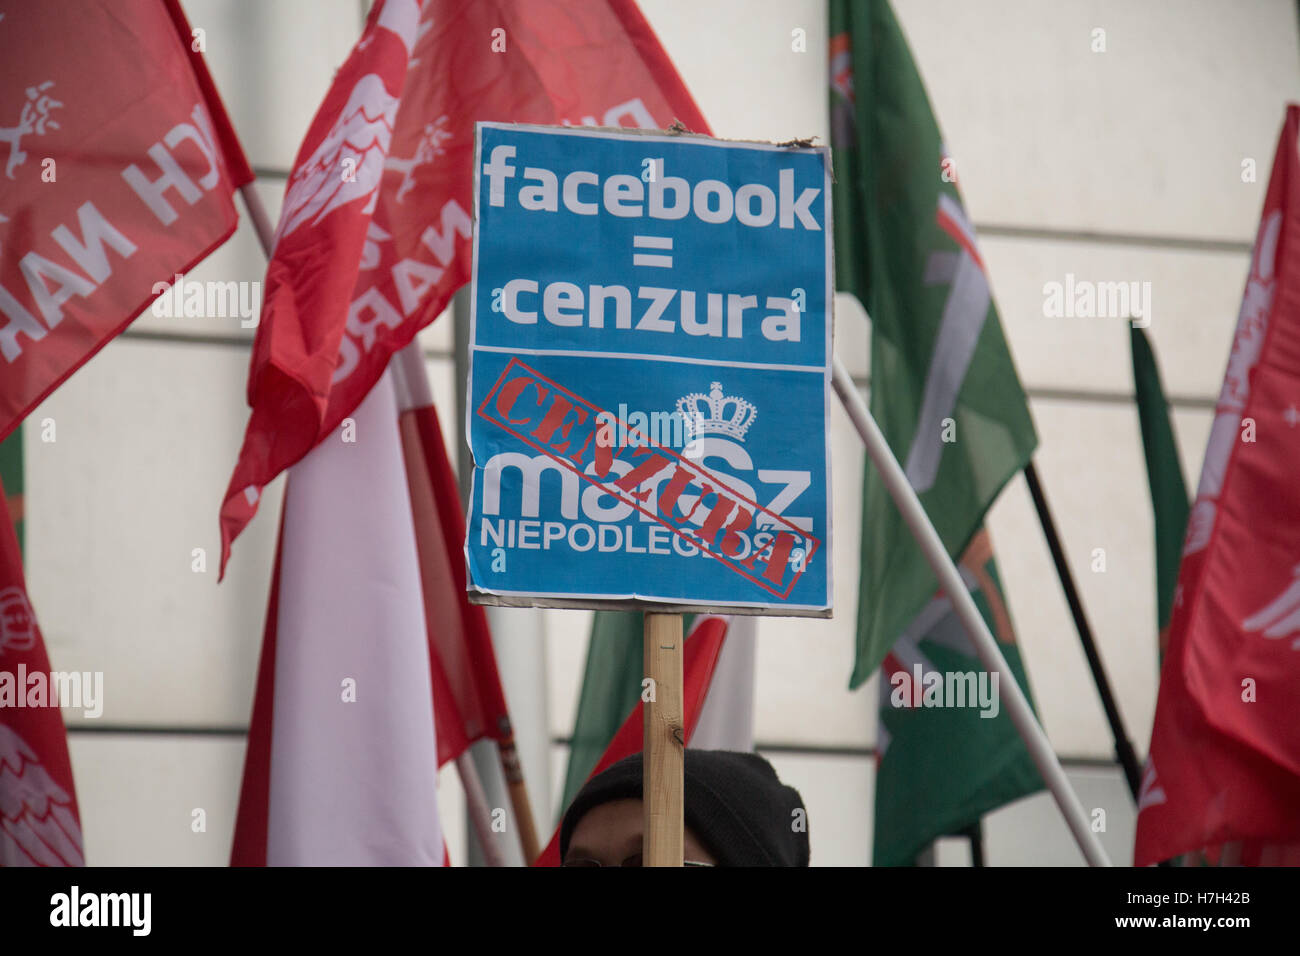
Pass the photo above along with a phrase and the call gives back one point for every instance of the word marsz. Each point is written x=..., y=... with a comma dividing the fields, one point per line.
x=946, y=689
x=564, y=426
x=75, y=908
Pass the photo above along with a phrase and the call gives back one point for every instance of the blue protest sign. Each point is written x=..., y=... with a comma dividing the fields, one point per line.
x=649, y=372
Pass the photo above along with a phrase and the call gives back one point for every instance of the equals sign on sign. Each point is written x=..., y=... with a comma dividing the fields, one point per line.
x=650, y=259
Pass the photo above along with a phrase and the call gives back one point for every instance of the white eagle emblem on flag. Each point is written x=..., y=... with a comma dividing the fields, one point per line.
x=34, y=119
x=348, y=164
x=17, y=623
x=1281, y=616
x=37, y=825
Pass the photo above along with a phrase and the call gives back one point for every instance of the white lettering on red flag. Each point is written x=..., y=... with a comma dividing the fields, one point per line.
x=118, y=171
x=358, y=270
x=39, y=823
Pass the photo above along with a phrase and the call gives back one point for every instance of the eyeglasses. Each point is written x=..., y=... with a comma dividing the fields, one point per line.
x=633, y=860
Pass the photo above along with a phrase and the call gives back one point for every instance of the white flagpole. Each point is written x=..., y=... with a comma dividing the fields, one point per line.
x=411, y=386
x=477, y=807
x=257, y=215
x=1013, y=698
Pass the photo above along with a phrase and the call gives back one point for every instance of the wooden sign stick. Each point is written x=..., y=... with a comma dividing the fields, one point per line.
x=665, y=743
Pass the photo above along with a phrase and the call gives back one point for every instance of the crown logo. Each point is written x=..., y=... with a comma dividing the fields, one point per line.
x=727, y=415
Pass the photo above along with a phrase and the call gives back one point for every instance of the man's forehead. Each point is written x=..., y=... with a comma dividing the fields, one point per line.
x=609, y=832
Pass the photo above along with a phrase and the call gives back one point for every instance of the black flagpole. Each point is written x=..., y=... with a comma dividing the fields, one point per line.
x=1123, y=746
x=975, y=833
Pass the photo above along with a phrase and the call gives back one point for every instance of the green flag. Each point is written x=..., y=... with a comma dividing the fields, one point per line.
x=611, y=687
x=1164, y=475
x=11, y=476
x=941, y=768
x=943, y=387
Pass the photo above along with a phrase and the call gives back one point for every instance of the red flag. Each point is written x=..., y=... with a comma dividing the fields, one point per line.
x=39, y=823
x=366, y=259
x=253, y=817
x=699, y=658
x=1224, y=767
x=119, y=165
x=468, y=701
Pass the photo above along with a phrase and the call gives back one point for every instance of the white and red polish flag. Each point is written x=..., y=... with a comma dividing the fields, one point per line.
x=348, y=605
x=1223, y=775
x=39, y=823
x=117, y=169
x=342, y=760
x=374, y=235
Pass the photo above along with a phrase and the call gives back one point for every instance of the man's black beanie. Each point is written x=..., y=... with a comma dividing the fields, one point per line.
x=735, y=805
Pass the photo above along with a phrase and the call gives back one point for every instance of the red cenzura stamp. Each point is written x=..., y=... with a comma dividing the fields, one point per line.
x=561, y=425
